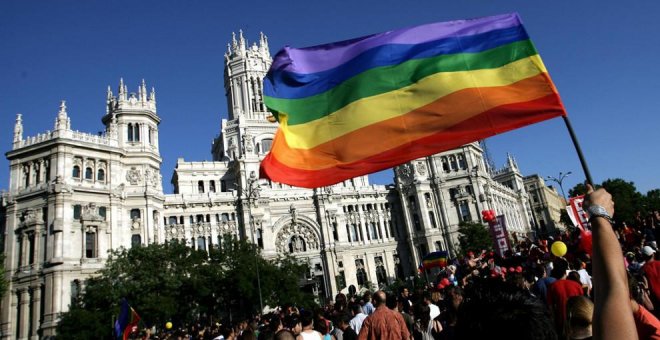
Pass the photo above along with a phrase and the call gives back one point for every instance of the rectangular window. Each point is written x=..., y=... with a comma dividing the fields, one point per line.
x=77, y=209
x=31, y=248
x=90, y=244
x=432, y=218
x=102, y=212
x=135, y=214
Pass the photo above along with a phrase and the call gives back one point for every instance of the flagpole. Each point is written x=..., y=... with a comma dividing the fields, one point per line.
x=585, y=168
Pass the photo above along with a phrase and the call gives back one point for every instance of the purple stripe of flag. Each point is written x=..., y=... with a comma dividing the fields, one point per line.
x=327, y=56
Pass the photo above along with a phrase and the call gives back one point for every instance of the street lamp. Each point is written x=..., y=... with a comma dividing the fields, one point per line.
x=251, y=194
x=559, y=181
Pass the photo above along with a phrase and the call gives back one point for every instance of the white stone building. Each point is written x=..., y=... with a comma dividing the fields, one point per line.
x=72, y=196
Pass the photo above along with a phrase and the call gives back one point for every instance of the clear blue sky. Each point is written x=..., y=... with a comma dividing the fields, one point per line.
x=600, y=55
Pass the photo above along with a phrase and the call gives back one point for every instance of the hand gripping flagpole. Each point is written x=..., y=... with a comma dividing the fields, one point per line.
x=585, y=167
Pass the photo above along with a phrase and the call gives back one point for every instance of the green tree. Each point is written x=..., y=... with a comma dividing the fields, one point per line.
x=173, y=282
x=653, y=200
x=577, y=190
x=474, y=237
x=628, y=201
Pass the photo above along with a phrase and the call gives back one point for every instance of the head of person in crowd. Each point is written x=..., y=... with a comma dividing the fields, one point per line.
x=355, y=308
x=559, y=268
x=275, y=323
x=343, y=321
x=379, y=298
x=492, y=305
x=391, y=302
x=306, y=319
x=292, y=323
x=403, y=291
x=422, y=315
x=574, y=276
x=321, y=326
x=455, y=296
x=285, y=334
x=649, y=253
x=579, y=316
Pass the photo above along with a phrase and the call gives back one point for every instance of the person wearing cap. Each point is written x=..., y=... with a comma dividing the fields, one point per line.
x=651, y=270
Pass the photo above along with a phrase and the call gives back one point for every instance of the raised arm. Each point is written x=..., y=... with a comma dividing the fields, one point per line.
x=613, y=315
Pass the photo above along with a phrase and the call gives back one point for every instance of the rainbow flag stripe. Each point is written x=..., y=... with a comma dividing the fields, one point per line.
x=435, y=259
x=354, y=107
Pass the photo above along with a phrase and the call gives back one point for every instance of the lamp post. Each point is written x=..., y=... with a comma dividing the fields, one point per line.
x=559, y=181
x=251, y=194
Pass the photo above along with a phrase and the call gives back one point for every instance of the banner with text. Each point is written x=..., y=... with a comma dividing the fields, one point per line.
x=500, y=235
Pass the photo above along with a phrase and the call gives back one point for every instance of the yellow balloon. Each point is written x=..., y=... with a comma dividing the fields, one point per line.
x=168, y=325
x=558, y=248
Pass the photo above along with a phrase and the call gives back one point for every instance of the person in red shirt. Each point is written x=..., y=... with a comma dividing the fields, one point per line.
x=651, y=270
x=560, y=291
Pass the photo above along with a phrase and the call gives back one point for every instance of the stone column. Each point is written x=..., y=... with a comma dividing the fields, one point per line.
x=24, y=303
x=388, y=259
x=36, y=311
x=370, y=265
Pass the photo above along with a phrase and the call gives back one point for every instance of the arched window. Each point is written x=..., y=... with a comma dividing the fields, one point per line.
x=201, y=243
x=172, y=220
x=212, y=186
x=89, y=173
x=136, y=132
x=136, y=240
x=100, y=175
x=266, y=144
x=130, y=132
x=76, y=172
x=200, y=187
x=135, y=214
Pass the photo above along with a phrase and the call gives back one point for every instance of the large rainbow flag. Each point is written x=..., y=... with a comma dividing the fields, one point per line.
x=354, y=107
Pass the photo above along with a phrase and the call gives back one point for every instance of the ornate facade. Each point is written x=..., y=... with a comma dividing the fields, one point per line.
x=73, y=196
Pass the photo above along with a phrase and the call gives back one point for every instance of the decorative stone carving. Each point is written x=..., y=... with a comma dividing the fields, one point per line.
x=294, y=214
x=421, y=168
x=300, y=236
x=405, y=173
x=91, y=213
x=133, y=176
x=58, y=186
x=248, y=143
x=119, y=191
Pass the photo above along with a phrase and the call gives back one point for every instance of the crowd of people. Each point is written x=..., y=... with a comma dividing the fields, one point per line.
x=528, y=293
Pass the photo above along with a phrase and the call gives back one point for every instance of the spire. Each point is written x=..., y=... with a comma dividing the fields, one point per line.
x=109, y=97
x=18, y=128
x=121, y=92
x=234, y=43
x=62, y=122
x=511, y=162
x=263, y=44
x=241, y=40
x=152, y=95
x=142, y=92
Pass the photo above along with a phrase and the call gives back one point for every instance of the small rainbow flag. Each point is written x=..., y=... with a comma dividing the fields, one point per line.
x=434, y=259
x=354, y=107
x=128, y=318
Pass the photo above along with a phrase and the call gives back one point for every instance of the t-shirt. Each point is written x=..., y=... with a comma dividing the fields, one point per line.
x=652, y=272
x=356, y=322
x=558, y=294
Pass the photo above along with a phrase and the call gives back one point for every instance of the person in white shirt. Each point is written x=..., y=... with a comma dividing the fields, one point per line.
x=358, y=317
